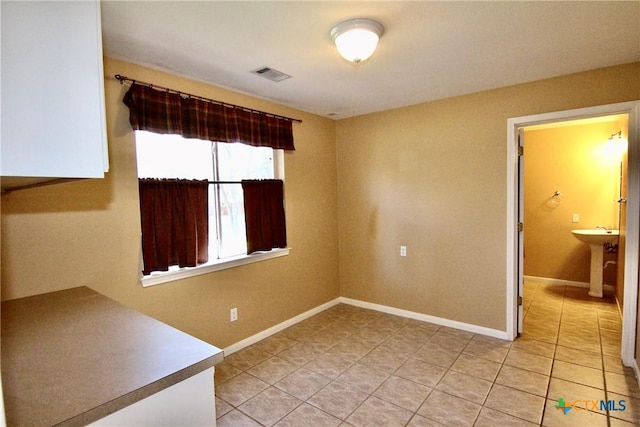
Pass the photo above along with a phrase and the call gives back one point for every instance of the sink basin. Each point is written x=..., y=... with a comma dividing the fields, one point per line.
x=596, y=236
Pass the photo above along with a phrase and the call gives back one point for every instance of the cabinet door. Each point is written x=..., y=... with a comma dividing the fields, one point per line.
x=53, y=120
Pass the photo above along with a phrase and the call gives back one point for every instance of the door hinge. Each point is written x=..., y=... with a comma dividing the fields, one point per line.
x=520, y=226
x=519, y=300
x=520, y=150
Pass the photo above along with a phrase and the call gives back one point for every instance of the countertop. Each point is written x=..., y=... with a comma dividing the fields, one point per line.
x=74, y=356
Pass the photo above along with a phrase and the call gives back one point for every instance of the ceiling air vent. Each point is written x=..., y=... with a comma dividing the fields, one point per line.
x=271, y=74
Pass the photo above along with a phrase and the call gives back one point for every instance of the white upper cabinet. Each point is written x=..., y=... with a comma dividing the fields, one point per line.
x=53, y=110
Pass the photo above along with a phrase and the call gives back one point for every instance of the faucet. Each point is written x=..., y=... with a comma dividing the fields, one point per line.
x=608, y=230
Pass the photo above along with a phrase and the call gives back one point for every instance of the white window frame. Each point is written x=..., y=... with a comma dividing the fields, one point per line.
x=177, y=273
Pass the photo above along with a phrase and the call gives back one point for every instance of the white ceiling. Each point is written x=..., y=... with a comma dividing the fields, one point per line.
x=430, y=50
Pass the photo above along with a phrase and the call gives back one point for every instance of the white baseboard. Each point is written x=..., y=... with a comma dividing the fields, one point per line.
x=427, y=318
x=363, y=304
x=279, y=327
x=560, y=282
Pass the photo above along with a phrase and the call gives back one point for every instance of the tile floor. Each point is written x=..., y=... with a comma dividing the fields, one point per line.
x=349, y=366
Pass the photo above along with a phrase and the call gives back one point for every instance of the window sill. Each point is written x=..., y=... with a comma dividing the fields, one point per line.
x=220, y=264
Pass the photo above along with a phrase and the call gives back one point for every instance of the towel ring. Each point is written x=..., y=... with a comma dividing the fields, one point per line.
x=556, y=198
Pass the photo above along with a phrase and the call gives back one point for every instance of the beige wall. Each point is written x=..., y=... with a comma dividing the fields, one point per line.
x=580, y=162
x=433, y=177
x=88, y=232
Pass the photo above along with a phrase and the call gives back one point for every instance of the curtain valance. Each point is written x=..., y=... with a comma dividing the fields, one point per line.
x=167, y=112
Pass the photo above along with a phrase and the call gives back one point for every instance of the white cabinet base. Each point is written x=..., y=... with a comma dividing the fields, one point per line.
x=188, y=403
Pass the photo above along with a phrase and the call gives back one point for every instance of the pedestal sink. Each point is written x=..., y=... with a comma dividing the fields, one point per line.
x=596, y=238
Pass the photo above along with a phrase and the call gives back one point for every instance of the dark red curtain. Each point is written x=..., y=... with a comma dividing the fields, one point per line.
x=175, y=223
x=161, y=111
x=264, y=214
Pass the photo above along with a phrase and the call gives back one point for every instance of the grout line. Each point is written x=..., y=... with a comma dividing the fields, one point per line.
x=553, y=362
x=604, y=377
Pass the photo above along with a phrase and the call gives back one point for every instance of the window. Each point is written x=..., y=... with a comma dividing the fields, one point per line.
x=225, y=165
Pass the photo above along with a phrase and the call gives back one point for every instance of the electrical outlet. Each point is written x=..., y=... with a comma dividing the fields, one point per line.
x=233, y=314
x=403, y=251
x=575, y=218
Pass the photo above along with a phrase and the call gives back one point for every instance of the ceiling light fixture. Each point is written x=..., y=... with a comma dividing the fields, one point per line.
x=357, y=39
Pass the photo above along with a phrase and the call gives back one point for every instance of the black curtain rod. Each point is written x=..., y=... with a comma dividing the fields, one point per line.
x=123, y=79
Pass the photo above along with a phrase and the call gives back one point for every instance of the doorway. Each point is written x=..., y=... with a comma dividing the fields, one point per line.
x=515, y=246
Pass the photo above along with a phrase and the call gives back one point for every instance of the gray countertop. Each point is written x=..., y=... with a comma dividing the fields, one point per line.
x=74, y=356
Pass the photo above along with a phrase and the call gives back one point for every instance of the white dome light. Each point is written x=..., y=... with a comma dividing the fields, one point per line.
x=357, y=39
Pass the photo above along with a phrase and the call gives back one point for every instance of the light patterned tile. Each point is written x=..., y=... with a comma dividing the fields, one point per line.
x=383, y=359
x=269, y=406
x=275, y=344
x=301, y=353
x=363, y=377
x=517, y=403
x=622, y=384
x=449, y=410
x=272, y=370
x=476, y=367
x=236, y=418
x=466, y=387
x=529, y=361
x=555, y=417
x=627, y=408
x=489, y=352
x=536, y=347
x=417, y=332
x=456, y=332
x=225, y=371
x=579, y=343
x=611, y=348
x=448, y=341
x=338, y=399
x=579, y=357
x=427, y=327
x=303, y=383
x=330, y=365
x=222, y=407
x=247, y=358
x=298, y=331
x=615, y=422
x=578, y=374
x=523, y=380
x=352, y=349
x=420, y=421
x=421, y=372
x=404, y=344
x=611, y=325
x=404, y=393
x=570, y=391
x=339, y=337
x=306, y=415
x=491, y=418
x=436, y=355
x=240, y=388
x=323, y=340
x=613, y=364
x=611, y=316
x=375, y=411
x=491, y=341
